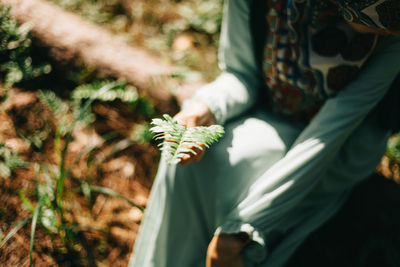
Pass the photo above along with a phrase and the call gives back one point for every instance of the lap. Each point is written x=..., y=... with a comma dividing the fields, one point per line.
x=188, y=203
x=220, y=180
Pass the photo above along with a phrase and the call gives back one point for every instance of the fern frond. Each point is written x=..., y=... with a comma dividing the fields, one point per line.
x=179, y=140
x=120, y=90
x=59, y=108
x=9, y=161
x=15, y=51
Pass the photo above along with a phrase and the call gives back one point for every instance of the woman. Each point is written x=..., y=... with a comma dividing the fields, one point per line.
x=297, y=96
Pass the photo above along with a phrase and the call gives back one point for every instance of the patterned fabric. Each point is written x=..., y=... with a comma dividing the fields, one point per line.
x=374, y=13
x=311, y=54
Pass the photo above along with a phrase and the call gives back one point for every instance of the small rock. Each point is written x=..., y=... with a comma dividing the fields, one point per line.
x=140, y=200
x=128, y=170
x=121, y=165
x=183, y=42
x=18, y=99
x=135, y=215
x=18, y=145
x=123, y=236
x=83, y=139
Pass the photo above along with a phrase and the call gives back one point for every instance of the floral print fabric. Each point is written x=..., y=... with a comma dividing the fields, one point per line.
x=373, y=13
x=311, y=54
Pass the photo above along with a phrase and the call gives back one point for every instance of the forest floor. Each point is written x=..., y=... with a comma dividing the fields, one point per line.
x=106, y=225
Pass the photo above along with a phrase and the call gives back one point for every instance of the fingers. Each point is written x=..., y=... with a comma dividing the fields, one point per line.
x=192, y=157
x=197, y=114
x=224, y=251
x=185, y=120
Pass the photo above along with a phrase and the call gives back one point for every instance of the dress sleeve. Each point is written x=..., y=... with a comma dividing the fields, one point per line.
x=280, y=188
x=235, y=90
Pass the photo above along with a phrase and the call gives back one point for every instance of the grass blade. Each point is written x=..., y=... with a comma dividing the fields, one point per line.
x=33, y=229
x=68, y=138
x=26, y=202
x=110, y=192
x=13, y=231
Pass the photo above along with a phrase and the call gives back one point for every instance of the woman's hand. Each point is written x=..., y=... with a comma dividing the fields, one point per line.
x=197, y=114
x=225, y=250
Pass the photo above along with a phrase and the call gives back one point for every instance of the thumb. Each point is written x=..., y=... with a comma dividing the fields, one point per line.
x=187, y=121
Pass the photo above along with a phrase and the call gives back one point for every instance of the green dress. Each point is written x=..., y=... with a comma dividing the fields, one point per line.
x=272, y=176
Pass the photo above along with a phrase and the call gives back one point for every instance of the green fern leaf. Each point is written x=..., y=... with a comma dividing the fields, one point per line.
x=178, y=139
x=9, y=161
x=120, y=90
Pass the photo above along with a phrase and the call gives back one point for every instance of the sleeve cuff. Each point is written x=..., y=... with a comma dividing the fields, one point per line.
x=227, y=96
x=210, y=95
x=218, y=115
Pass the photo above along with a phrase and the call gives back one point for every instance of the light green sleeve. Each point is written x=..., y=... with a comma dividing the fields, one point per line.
x=280, y=188
x=235, y=90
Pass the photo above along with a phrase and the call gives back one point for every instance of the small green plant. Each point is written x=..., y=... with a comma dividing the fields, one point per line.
x=393, y=148
x=43, y=213
x=9, y=161
x=48, y=210
x=120, y=90
x=141, y=133
x=392, y=160
x=101, y=12
x=203, y=16
x=16, y=63
x=178, y=139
